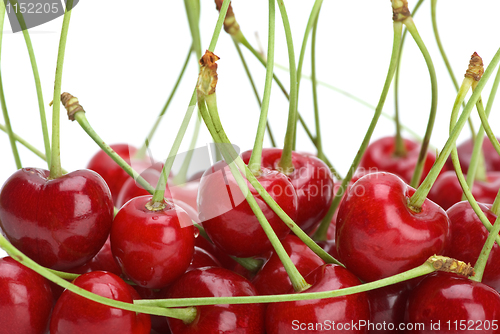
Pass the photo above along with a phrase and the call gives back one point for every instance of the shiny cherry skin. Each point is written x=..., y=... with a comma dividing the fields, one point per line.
x=25, y=299
x=312, y=179
x=220, y=282
x=202, y=258
x=227, y=217
x=299, y=316
x=77, y=315
x=447, y=191
x=153, y=248
x=468, y=236
x=388, y=305
x=103, y=261
x=458, y=304
x=225, y=260
x=491, y=158
x=380, y=155
x=272, y=278
x=378, y=235
x=60, y=223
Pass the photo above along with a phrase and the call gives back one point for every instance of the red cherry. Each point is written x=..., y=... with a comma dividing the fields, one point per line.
x=153, y=248
x=60, y=223
x=378, y=235
x=225, y=260
x=75, y=314
x=187, y=192
x=217, y=282
x=227, y=217
x=330, y=313
x=25, y=299
x=387, y=306
x=379, y=156
x=491, y=158
x=455, y=304
x=312, y=179
x=103, y=261
x=447, y=191
x=272, y=277
x=202, y=258
x=468, y=235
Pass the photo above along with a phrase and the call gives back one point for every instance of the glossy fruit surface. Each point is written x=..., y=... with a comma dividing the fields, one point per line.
x=491, y=158
x=380, y=156
x=60, y=223
x=227, y=217
x=447, y=191
x=74, y=314
x=468, y=236
x=456, y=304
x=153, y=248
x=312, y=180
x=220, y=282
x=330, y=313
x=25, y=299
x=378, y=235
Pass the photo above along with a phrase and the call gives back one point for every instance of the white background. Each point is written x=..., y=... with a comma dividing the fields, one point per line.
x=122, y=59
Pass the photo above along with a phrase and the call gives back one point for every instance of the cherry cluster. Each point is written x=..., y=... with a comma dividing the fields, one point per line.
x=271, y=240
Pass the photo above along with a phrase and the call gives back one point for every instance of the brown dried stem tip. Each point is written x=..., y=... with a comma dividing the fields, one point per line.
x=476, y=68
x=207, y=80
x=400, y=11
x=231, y=26
x=443, y=263
x=71, y=104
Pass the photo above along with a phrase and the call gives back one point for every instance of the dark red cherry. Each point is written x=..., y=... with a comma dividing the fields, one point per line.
x=387, y=307
x=217, y=282
x=330, y=313
x=77, y=315
x=378, y=235
x=468, y=235
x=491, y=158
x=380, y=155
x=153, y=248
x=202, y=258
x=447, y=191
x=103, y=261
x=25, y=299
x=272, y=277
x=312, y=179
x=227, y=217
x=225, y=260
x=447, y=303
x=60, y=223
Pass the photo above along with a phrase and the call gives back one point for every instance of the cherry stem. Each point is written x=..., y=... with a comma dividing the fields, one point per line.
x=285, y=163
x=181, y=176
x=187, y=314
x=477, y=158
x=41, y=104
x=254, y=88
x=420, y=195
x=141, y=153
x=445, y=58
x=256, y=158
x=400, y=149
x=495, y=208
x=55, y=161
x=321, y=232
x=193, y=14
x=314, y=84
x=485, y=252
x=434, y=263
x=241, y=39
x=215, y=127
x=5, y=113
x=417, y=174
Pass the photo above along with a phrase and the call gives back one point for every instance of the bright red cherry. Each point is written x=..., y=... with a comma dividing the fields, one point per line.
x=272, y=277
x=322, y=315
x=312, y=179
x=227, y=217
x=60, y=223
x=77, y=315
x=25, y=299
x=447, y=191
x=447, y=303
x=380, y=155
x=491, y=158
x=153, y=248
x=468, y=236
x=378, y=235
x=217, y=282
